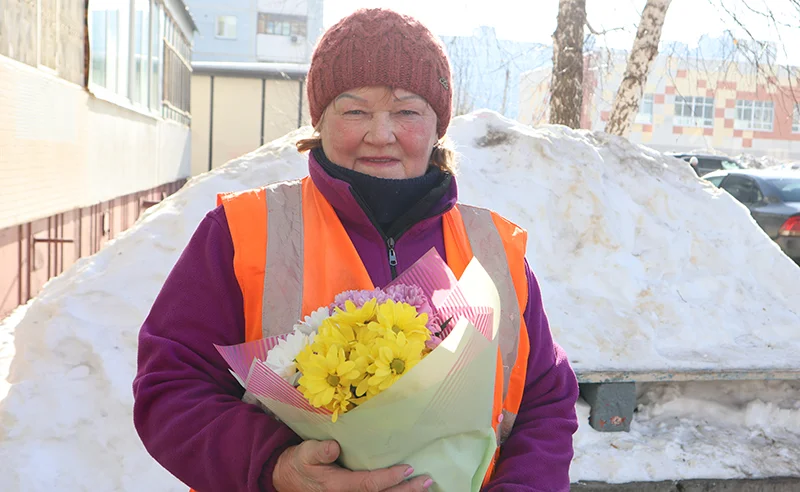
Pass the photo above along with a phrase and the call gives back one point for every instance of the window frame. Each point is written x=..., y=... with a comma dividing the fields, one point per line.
x=157, y=97
x=796, y=119
x=645, y=118
x=283, y=25
x=139, y=91
x=235, y=27
x=745, y=179
x=693, y=119
x=752, y=123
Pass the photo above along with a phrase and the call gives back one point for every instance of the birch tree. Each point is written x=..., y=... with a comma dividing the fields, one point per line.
x=566, y=90
x=644, y=51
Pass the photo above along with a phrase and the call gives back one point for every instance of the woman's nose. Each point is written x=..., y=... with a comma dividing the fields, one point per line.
x=381, y=130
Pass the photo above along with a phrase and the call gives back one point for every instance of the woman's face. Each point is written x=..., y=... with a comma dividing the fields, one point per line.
x=381, y=132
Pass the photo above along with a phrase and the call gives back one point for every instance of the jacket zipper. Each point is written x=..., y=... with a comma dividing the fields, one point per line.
x=392, y=257
x=389, y=240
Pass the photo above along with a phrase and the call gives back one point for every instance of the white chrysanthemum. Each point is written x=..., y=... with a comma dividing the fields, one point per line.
x=312, y=322
x=281, y=358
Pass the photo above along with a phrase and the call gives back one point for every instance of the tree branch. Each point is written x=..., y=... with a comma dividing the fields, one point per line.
x=605, y=31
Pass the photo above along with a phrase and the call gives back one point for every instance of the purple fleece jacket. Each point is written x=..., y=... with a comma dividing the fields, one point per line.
x=188, y=409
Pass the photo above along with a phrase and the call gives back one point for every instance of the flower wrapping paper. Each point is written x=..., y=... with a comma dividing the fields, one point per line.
x=437, y=417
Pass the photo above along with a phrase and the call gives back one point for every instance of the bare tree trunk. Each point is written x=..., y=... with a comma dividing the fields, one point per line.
x=644, y=51
x=566, y=91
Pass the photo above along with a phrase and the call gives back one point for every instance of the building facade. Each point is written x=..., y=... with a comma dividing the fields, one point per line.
x=256, y=30
x=238, y=107
x=92, y=130
x=728, y=106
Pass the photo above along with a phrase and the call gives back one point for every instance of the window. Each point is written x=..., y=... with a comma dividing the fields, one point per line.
x=157, y=55
x=110, y=45
x=645, y=114
x=282, y=25
x=715, y=180
x=98, y=46
x=177, y=75
x=796, y=118
x=226, y=27
x=694, y=111
x=754, y=115
x=743, y=189
x=148, y=66
x=788, y=188
x=140, y=93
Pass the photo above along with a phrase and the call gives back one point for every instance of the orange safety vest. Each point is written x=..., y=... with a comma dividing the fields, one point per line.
x=292, y=255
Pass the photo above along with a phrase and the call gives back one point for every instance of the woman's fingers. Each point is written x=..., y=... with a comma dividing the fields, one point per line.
x=416, y=484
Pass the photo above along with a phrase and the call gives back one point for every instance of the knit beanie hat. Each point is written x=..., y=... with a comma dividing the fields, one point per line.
x=379, y=47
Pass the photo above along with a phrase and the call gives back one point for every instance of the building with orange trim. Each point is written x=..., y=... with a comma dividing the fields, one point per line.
x=727, y=106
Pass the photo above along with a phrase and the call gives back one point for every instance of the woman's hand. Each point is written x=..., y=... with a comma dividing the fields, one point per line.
x=309, y=467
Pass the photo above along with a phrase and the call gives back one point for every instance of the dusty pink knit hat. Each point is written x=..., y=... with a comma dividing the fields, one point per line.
x=380, y=47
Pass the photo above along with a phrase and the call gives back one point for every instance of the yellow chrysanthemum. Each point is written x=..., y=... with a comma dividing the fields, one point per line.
x=324, y=376
x=361, y=354
x=333, y=334
x=399, y=317
x=352, y=315
x=342, y=402
x=394, y=356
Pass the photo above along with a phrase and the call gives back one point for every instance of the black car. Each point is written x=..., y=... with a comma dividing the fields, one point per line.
x=707, y=163
x=773, y=197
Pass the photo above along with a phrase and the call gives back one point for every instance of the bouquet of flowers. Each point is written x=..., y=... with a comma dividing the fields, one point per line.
x=403, y=374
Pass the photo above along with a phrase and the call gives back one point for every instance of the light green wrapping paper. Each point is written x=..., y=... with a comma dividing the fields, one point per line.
x=436, y=418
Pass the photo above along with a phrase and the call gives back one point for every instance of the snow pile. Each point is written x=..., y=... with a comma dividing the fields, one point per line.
x=642, y=266
x=751, y=161
x=67, y=422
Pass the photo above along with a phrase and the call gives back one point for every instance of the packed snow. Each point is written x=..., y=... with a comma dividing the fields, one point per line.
x=642, y=265
x=751, y=161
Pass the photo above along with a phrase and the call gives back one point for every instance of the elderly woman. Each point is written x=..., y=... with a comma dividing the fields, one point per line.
x=380, y=193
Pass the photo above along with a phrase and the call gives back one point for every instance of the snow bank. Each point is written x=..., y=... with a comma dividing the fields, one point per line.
x=642, y=265
x=751, y=161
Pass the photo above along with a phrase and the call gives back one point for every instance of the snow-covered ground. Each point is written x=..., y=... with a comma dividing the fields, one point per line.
x=642, y=266
x=731, y=429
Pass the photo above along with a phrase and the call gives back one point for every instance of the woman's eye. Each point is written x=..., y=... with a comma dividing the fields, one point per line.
x=408, y=112
x=354, y=112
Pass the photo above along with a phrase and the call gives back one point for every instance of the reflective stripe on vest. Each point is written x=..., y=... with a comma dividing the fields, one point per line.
x=306, y=238
x=282, y=303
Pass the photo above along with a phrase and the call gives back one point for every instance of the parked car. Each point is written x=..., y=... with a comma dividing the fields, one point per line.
x=773, y=197
x=707, y=163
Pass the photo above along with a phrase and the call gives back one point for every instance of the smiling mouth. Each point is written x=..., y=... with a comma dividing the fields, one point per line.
x=378, y=160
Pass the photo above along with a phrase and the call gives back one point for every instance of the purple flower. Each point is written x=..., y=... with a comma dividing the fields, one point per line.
x=358, y=297
x=433, y=342
x=409, y=294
